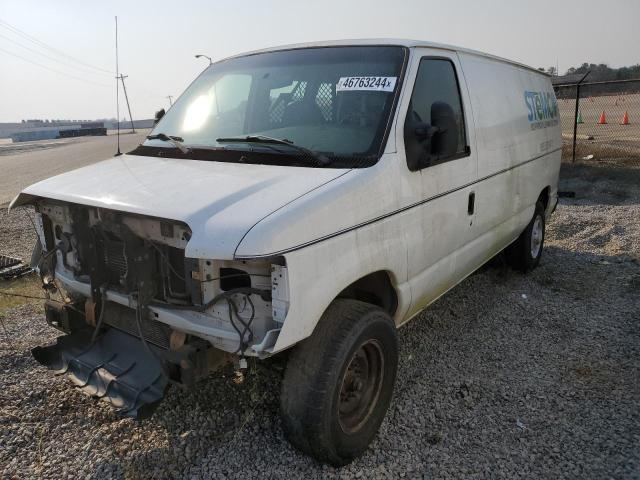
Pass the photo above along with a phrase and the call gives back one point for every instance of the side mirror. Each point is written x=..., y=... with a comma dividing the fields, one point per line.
x=445, y=143
x=424, y=131
x=418, y=137
x=159, y=114
x=426, y=144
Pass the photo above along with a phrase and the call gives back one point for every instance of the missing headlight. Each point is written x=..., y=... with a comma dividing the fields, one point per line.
x=231, y=278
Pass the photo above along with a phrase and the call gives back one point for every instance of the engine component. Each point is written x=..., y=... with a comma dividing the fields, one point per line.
x=123, y=319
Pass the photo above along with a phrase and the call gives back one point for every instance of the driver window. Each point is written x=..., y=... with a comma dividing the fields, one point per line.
x=434, y=127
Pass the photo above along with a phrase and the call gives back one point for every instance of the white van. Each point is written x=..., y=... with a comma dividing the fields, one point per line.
x=306, y=199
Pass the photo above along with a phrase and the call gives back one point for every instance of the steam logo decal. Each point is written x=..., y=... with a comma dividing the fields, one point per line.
x=542, y=109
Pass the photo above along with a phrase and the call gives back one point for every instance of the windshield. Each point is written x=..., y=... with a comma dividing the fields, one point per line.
x=334, y=101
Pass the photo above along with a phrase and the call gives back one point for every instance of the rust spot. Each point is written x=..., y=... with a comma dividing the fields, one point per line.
x=90, y=312
x=177, y=339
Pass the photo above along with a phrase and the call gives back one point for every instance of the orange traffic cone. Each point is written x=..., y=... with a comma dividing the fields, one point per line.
x=625, y=119
x=603, y=119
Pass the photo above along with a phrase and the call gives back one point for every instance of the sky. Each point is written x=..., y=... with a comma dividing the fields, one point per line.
x=158, y=40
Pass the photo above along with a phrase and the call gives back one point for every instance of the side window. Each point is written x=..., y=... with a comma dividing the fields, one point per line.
x=434, y=127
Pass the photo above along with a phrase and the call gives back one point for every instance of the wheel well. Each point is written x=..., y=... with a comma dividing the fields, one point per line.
x=375, y=288
x=544, y=197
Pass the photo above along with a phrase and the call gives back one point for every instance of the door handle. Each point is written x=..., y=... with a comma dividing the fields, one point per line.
x=472, y=203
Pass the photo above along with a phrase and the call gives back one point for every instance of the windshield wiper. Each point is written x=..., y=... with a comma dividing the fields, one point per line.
x=173, y=140
x=318, y=157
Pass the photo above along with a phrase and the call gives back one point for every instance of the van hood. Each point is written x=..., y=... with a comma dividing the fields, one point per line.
x=219, y=201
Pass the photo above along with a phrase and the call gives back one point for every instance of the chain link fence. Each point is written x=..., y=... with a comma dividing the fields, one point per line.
x=600, y=121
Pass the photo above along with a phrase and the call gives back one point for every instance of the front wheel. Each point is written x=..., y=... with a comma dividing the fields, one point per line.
x=524, y=254
x=338, y=383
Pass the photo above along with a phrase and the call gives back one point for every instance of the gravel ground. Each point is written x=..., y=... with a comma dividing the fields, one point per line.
x=506, y=376
x=17, y=236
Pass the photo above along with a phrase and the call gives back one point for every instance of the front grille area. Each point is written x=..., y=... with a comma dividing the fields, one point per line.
x=130, y=264
x=124, y=319
x=115, y=259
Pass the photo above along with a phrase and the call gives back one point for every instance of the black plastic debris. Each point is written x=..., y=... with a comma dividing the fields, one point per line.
x=115, y=368
x=11, y=267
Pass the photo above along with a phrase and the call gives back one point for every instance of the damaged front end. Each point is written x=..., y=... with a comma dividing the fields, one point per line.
x=138, y=315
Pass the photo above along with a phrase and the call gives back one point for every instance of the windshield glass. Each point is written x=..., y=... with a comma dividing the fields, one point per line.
x=335, y=101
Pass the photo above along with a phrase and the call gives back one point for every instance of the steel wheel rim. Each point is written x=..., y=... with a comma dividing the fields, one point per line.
x=360, y=387
x=536, y=237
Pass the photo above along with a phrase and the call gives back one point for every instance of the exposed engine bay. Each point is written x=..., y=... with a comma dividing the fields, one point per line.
x=138, y=314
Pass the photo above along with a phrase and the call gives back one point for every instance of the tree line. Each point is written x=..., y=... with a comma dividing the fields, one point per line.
x=599, y=72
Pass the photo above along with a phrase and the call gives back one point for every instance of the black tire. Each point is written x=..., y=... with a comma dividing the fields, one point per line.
x=324, y=376
x=524, y=254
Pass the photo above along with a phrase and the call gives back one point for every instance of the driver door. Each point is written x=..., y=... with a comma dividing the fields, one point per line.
x=439, y=147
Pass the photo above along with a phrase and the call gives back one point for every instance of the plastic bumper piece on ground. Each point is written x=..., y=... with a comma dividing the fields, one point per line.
x=116, y=368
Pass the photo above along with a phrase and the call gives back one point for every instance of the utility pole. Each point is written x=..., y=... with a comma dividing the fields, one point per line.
x=122, y=77
x=117, y=94
x=170, y=97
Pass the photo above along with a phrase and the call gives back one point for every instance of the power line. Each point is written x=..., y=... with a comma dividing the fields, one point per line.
x=33, y=39
x=85, y=71
x=53, y=69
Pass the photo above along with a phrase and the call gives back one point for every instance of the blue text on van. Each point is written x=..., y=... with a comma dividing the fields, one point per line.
x=541, y=106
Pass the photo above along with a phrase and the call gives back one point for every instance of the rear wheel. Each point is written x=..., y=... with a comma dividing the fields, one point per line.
x=524, y=254
x=338, y=383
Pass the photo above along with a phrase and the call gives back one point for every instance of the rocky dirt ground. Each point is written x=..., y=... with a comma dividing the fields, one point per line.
x=506, y=376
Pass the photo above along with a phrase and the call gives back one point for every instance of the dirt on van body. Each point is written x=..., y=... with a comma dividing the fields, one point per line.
x=506, y=376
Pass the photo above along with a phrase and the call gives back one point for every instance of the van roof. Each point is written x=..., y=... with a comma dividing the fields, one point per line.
x=387, y=41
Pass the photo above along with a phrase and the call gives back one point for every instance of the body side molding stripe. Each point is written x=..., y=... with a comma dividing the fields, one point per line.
x=395, y=212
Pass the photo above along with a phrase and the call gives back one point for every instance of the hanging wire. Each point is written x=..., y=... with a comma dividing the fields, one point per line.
x=31, y=38
x=53, y=69
x=53, y=59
